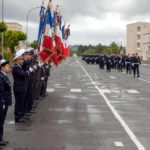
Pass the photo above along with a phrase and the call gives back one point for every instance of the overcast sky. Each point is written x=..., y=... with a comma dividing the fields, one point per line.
x=92, y=21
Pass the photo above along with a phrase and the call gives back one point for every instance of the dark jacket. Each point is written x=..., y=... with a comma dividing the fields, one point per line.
x=19, y=76
x=5, y=89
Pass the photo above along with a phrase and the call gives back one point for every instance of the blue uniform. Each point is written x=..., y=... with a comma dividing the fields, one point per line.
x=20, y=89
x=5, y=100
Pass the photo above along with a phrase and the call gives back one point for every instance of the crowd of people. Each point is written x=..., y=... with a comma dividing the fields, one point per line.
x=30, y=77
x=117, y=62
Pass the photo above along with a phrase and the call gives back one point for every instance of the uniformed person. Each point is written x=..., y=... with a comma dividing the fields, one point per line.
x=136, y=61
x=5, y=97
x=108, y=63
x=101, y=62
x=27, y=66
x=19, y=87
x=128, y=64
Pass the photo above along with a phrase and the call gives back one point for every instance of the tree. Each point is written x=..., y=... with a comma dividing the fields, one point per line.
x=113, y=48
x=12, y=39
x=3, y=27
x=34, y=44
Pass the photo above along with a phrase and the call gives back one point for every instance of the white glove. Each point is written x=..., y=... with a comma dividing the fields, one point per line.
x=42, y=78
x=40, y=64
x=4, y=107
x=35, y=67
x=31, y=69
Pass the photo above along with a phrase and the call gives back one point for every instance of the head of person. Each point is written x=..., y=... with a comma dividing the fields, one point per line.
x=4, y=66
x=28, y=55
x=19, y=60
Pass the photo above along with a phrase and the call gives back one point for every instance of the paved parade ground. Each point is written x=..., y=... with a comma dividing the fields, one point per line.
x=87, y=109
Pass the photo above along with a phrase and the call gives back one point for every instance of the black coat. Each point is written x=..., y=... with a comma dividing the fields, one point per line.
x=19, y=76
x=5, y=89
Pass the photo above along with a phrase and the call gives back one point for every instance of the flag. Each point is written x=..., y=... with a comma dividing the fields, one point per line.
x=41, y=24
x=45, y=56
x=57, y=31
x=54, y=59
x=47, y=44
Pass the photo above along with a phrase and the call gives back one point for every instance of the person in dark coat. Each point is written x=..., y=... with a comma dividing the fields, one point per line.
x=19, y=87
x=101, y=62
x=136, y=61
x=108, y=63
x=128, y=64
x=5, y=97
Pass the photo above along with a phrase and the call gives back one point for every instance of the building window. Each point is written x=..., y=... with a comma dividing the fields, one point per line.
x=138, y=45
x=138, y=28
x=138, y=37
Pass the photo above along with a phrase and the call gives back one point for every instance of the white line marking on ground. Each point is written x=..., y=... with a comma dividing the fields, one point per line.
x=112, y=77
x=76, y=90
x=144, y=80
x=50, y=90
x=106, y=91
x=118, y=144
x=115, y=91
x=116, y=114
x=132, y=91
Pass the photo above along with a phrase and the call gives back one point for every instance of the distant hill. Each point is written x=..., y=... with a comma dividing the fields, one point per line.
x=74, y=47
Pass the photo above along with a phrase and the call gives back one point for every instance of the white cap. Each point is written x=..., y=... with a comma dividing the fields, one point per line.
x=29, y=49
x=3, y=62
x=20, y=52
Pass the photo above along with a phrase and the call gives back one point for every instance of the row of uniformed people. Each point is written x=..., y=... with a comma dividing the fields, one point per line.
x=118, y=62
x=30, y=83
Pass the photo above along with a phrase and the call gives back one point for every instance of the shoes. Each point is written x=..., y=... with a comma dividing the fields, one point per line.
x=32, y=112
x=28, y=115
x=26, y=118
x=20, y=121
x=4, y=143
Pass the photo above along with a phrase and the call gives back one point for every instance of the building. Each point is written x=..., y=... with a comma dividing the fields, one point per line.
x=138, y=39
x=17, y=27
x=14, y=26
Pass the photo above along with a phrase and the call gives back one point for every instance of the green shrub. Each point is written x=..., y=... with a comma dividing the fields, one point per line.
x=3, y=27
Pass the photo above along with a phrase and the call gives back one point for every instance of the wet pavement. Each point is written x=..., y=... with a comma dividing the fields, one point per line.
x=87, y=109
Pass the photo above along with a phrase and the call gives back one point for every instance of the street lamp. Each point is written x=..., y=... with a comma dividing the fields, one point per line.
x=2, y=44
x=28, y=14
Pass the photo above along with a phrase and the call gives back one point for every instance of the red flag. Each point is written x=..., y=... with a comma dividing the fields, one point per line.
x=54, y=59
x=62, y=55
x=45, y=55
x=58, y=45
x=48, y=44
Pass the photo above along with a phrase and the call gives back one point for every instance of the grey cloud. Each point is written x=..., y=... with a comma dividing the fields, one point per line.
x=17, y=10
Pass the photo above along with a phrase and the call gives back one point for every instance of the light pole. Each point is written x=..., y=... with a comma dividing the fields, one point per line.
x=28, y=14
x=2, y=44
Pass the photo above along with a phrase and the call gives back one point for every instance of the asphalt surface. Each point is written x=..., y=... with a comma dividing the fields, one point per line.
x=87, y=109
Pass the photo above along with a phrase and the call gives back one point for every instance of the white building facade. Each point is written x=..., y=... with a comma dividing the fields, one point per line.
x=138, y=39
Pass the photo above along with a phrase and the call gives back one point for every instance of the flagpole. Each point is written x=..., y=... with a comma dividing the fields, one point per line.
x=2, y=44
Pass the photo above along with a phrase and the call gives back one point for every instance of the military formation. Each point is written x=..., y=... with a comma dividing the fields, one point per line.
x=120, y=62
x=30, y=77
